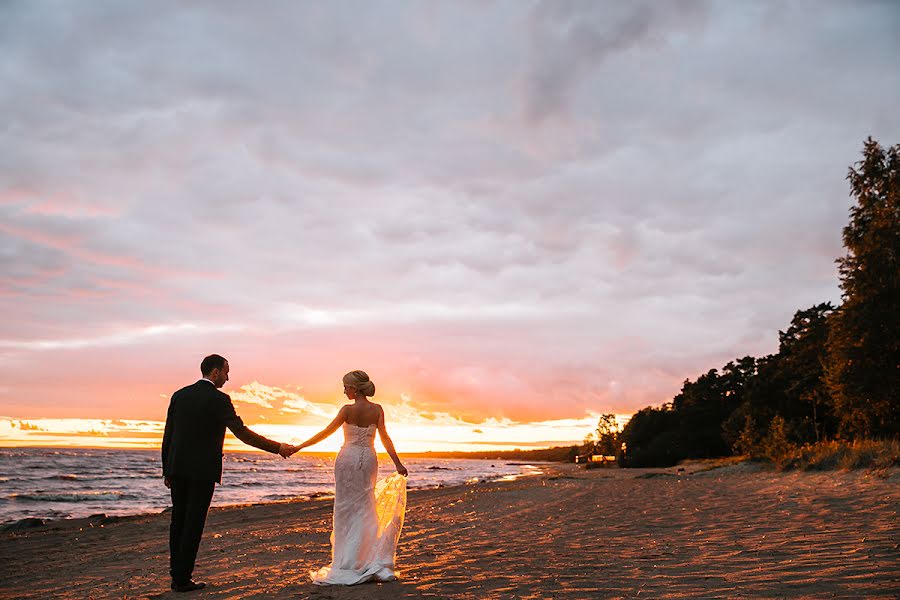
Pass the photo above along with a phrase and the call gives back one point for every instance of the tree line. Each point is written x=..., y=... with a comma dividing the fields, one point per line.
x=835, y=376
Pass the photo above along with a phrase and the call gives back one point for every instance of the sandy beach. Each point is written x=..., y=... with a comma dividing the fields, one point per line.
x=731, y=532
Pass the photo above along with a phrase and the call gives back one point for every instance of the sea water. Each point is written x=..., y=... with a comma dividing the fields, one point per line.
x=58, y=483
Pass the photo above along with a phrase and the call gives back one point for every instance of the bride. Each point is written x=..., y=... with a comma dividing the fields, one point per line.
x=368, y=516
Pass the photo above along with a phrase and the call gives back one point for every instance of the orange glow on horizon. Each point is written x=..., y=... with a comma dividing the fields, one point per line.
x=409, y=435
x=287, y=415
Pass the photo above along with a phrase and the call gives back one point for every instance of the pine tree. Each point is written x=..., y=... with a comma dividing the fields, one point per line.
x=863, y=364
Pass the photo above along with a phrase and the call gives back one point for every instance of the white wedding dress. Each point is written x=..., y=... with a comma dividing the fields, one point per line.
x=368, y=516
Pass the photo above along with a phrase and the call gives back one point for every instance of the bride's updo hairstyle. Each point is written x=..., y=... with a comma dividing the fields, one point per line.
x=359, y=381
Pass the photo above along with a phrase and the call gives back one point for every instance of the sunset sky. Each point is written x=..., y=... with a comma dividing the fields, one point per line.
x=515, y=216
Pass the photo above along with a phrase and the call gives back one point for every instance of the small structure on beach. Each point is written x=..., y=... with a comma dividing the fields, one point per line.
x=591, y=461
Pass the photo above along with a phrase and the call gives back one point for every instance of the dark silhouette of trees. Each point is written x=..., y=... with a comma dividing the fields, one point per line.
x=837, y=369
x=691, y=426
x=703, y=406
x=863, y=367
x=607, y=434
x=651, y=439
x=604, y=440
x=802, y=354
x=554, y=454
x=789, y=385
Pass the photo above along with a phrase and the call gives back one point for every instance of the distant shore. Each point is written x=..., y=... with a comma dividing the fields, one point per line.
x=554, y=454
x=735, y=531
x=550, y=454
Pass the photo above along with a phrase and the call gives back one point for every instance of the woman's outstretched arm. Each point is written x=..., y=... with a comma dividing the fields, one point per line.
x=332, y=427
x=389, y=445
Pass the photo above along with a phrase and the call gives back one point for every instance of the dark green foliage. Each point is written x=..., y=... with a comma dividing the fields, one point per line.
x=837, y=370
x=605, y=439
x=703, y=406
x=863, y=366
x=589, y=445
x=554, y=454
x=763, y=397
x=777, y=446
x=738, y=408
x=650, y=439
x=691, y=427
x=607, y=435
x=774, y=444
x=802, y=353
x=789, y=384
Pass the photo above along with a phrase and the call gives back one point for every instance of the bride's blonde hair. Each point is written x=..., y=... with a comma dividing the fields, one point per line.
x=359, y=381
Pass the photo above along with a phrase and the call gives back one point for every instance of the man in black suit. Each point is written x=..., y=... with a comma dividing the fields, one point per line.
x=192, y=461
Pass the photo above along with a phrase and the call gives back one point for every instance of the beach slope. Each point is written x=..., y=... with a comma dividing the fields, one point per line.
x=569, y=533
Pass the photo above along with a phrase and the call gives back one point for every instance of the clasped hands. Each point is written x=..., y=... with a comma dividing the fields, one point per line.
x=286, y=450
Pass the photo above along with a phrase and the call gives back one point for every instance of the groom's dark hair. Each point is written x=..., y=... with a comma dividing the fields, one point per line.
x=213, y=361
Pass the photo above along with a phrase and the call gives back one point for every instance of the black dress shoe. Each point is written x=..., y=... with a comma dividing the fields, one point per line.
x=189, y=586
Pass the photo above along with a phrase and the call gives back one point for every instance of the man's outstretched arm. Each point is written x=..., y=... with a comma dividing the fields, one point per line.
x=251, y=438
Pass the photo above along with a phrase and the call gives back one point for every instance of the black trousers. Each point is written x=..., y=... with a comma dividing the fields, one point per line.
x=190, y=503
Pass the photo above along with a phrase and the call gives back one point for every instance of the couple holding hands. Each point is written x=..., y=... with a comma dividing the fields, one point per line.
x=368, y=514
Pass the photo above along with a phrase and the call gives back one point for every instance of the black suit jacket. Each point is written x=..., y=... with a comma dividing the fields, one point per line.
x=195, y=431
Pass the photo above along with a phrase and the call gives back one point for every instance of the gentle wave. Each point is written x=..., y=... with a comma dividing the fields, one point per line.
x=73, y=497
x=77, y=483
x=277, y=497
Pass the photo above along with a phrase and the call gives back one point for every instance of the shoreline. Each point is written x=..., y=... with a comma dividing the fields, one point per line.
x=76, y=484
x=27, y=524
x=522, y=453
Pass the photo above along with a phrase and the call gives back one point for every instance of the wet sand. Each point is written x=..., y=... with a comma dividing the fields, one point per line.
x=733, y=532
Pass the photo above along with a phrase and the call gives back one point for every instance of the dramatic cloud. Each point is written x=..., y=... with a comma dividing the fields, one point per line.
x=533, y=211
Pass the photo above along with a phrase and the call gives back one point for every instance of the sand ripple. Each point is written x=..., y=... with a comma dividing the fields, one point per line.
x=727, y=533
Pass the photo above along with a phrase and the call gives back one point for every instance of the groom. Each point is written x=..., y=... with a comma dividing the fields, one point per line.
x=192, y=461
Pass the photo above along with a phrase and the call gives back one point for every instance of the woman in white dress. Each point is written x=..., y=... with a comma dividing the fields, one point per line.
x=368, y=515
